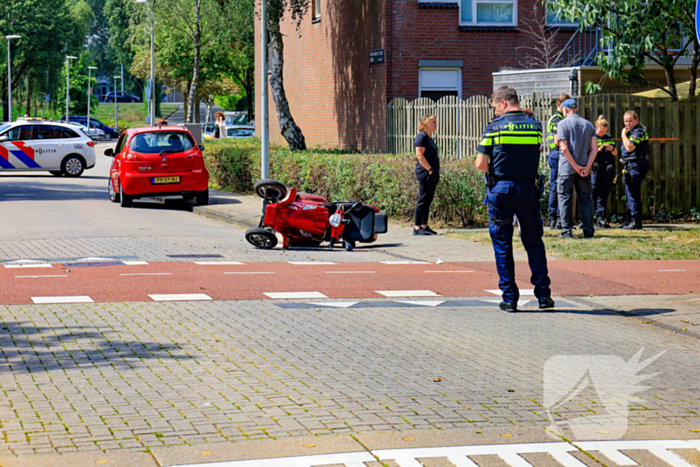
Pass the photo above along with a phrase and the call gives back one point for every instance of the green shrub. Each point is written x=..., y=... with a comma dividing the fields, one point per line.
x=382, y=180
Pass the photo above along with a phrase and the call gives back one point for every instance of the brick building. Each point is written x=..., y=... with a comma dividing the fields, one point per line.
x=419, y=49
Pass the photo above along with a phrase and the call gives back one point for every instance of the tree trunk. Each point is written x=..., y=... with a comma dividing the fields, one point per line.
x=249, y=86
x=694, y=69
x=197, y=110
x=290, y=131
x=197, y=49
x=185, y=100
x=671, y=81
x=29, y=96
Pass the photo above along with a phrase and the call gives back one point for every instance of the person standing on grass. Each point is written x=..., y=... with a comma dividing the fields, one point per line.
x=635, y=155
x=603, y=170
x=553, y=161
x=578, y=145
x=427, y=173
x=509, y=153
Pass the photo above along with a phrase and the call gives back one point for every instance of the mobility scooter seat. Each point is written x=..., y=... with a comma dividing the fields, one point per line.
x=309, y=198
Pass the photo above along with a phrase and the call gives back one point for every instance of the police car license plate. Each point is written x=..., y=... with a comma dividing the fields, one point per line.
x=165, y=180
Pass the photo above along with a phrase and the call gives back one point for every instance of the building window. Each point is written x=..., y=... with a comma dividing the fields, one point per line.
x=555, y=20
x=488, y=12
x=435, y=83
x=316, y=10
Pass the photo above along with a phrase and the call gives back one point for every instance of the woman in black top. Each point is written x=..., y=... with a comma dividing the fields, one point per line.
x=427, y=172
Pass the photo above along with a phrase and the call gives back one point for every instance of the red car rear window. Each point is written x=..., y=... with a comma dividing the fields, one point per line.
x=155, y=143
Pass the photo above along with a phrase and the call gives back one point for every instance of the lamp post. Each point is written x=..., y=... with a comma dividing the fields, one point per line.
x=90, y=68
x=264, y=131
x=9, y=76
x=68, y=59
x=116, y=105
x=152, y=106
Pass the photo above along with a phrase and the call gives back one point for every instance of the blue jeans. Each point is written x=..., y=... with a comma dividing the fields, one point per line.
x=553, y=161
x=505, y=200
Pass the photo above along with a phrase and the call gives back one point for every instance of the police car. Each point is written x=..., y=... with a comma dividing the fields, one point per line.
x=34, y=144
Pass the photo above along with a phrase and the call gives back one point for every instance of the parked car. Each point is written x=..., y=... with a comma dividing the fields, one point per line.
x=121, y=97
x=208, y=130
x=92, y=132
x=240, y=132
x=236, y=118
x=163, y=161
x=34, y=144
x=109, y=131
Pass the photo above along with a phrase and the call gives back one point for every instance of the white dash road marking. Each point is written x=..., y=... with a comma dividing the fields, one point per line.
x=28, y=265
x=33, y=277
x=407, y=293
x=95, y=260
x=251, y=272
x=526, y=292
x=293, y=295
x=135, y=263
x=671, y=270
x=179, y=297
x=404, y=262
x=75, y=299
x=147, y=274
x=312, y=263
x=335, y=304
x=448, y=271
x=351, y=272
x=219, y=263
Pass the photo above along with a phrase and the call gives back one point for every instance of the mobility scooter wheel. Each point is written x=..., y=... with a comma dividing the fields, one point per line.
x=268, y=188
x=261, y=238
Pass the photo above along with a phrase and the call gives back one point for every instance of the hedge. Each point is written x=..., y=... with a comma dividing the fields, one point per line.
x=382, y=180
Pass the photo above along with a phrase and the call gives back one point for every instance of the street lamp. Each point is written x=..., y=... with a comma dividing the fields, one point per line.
x=68, y=59
x=116, y=105
x=9, y=75
x=152, y=106
x=90, y=68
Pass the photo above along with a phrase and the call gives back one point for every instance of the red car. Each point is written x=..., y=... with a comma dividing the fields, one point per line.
x=157, y=161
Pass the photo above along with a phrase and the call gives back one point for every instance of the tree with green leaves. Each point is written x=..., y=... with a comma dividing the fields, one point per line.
x=636, y=33
x=78, y=87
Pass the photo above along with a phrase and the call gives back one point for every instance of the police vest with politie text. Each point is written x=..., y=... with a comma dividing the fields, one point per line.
x=512, y=143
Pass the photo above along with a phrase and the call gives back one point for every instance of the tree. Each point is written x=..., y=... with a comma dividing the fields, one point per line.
x=635, y=33
x=78, y=87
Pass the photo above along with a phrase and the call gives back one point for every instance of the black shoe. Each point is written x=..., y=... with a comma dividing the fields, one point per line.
x=553, y=225
x=546, y=302
x=632, y=226
x=420, y=231
x=565, y=235
x=558, y=224
x=430, y=231
x=510, y=307
x=602, y=224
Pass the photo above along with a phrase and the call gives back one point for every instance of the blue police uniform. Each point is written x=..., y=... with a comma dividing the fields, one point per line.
x=553, y=161
x=512, y=144
x=602, y=175
x=636, y=166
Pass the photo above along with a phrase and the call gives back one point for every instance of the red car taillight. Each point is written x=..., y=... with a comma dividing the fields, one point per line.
x=91, y=144
x=131, y=157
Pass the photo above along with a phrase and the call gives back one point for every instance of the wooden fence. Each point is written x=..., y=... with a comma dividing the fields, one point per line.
x=673, y=182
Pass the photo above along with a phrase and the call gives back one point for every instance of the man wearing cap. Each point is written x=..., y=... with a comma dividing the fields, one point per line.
x=578, y=144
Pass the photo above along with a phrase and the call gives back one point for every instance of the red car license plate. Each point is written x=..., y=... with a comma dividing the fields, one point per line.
x=165, y=180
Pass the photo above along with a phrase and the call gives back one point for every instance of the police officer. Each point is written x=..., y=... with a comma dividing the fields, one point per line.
x=553, y=161
x=509, y=153
x=635, y=155
x=603, y=170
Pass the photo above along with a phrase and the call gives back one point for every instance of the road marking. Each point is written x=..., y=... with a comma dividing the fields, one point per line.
x=312, y=263
x=135, y=263
x=147, y=274
x=218, y=263
x=526, y=292
x=351, y=272
x=76, y=299
x=671, y=270
x=407, y=293
x=96, y=260
x=404, y=262
x=423, y=302
x=335, y=304
x=55, y=275
x=251, y=272
x=29, y=265
x=449, y=271
x=511, y=454
x=179, y=297
x=292, y=295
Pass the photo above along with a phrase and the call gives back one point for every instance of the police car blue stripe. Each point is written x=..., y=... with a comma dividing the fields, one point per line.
x=25, y=159
x=5, y=164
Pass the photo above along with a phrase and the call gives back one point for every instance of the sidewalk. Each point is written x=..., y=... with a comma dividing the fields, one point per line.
x=245, y=211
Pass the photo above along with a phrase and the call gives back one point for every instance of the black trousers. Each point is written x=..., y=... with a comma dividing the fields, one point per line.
x=426, y=191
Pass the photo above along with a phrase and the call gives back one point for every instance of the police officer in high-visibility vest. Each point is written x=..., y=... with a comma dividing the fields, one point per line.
x=509, y=153
x=603, y=170
x=553, y=161
x=635, y=155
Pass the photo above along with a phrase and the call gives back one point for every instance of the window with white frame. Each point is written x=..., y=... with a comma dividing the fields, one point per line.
x=488, y=12
x=316, y=9
x=435, y=83
x=553, y=19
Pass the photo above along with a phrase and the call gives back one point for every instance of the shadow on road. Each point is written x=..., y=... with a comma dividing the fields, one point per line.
x=55, y=192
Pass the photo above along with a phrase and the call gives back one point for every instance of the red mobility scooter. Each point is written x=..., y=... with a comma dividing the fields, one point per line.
x=306, y=219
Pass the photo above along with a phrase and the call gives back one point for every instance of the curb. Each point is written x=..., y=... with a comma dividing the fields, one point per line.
x=212, y=213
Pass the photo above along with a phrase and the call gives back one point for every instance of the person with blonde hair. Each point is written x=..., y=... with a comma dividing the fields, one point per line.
x=427, y=173
x=603, y=170
x=635, y=155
